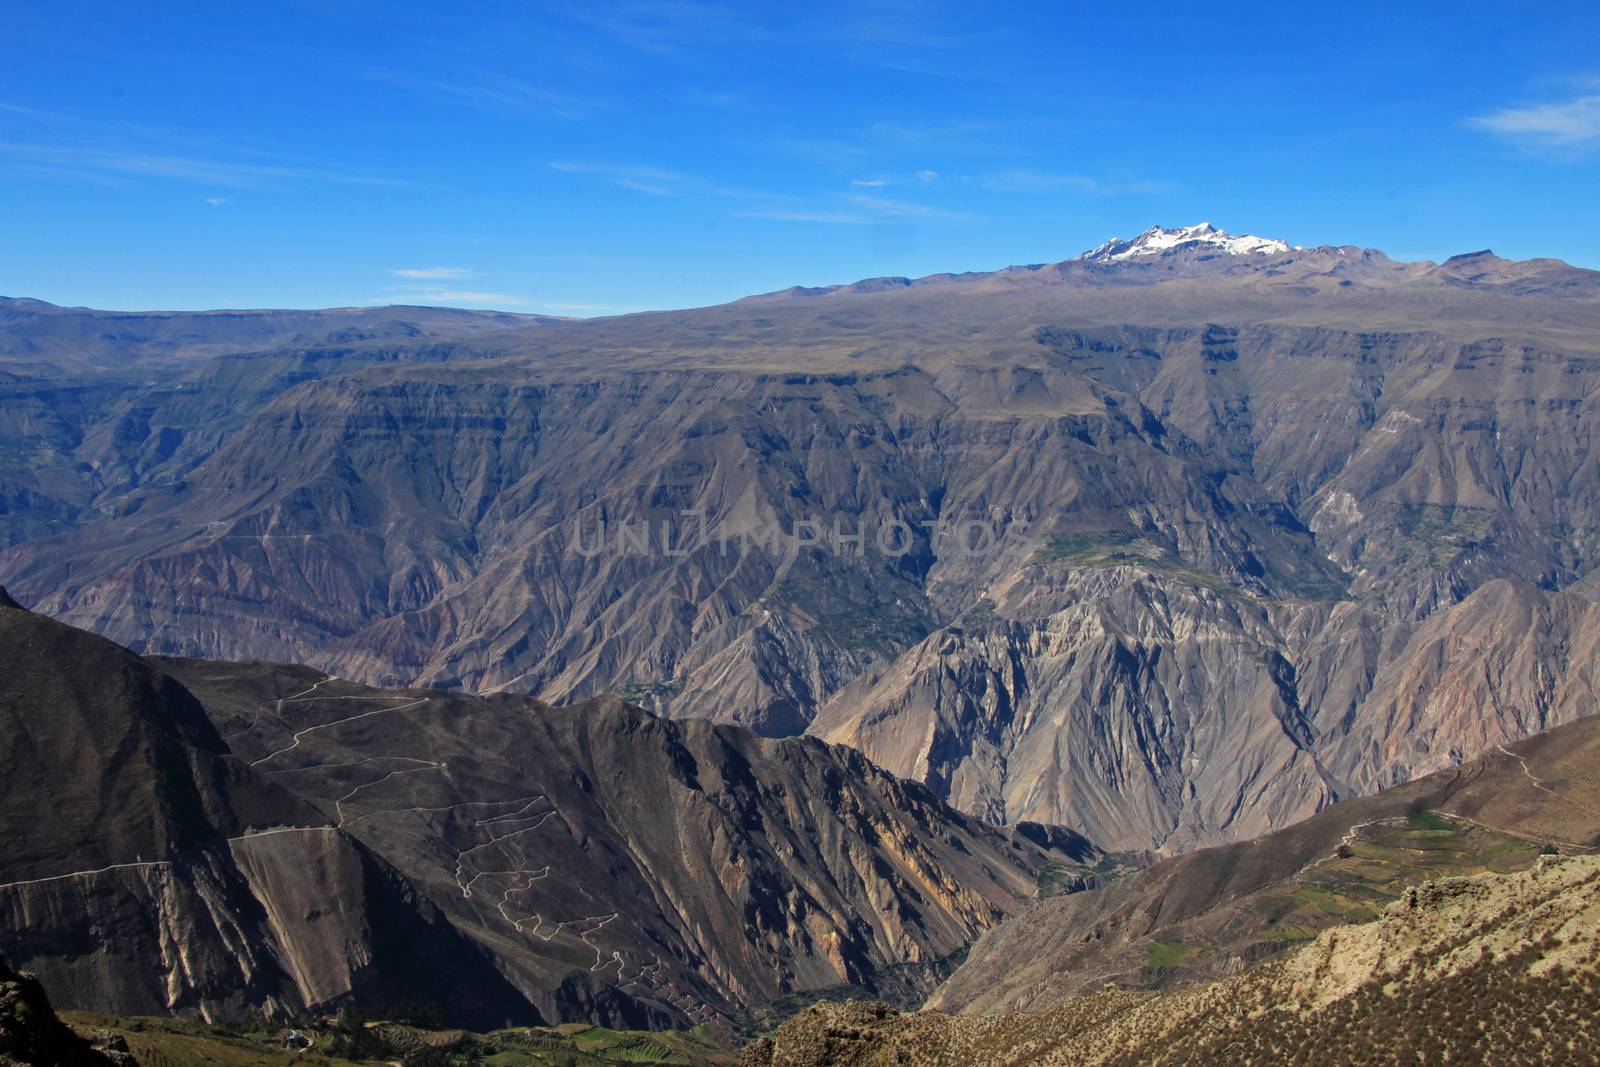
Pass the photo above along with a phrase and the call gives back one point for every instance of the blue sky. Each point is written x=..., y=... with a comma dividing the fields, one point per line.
x=594, y=158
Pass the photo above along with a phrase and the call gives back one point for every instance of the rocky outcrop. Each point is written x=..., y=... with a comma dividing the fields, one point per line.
x=30, y=1032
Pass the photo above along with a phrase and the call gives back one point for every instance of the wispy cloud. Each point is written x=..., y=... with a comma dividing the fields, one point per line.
x=608, y=309
x=478, y=296
x=850, y=209
x=666, y=26
x=30, y=112
x=855, y=209
x=879, y=146
x=69, y=159
x=1560, y=126
x=958, y=136
x=913, y=37
x=828, y=218
x=653, y=181
x=434, y=295
x=901, y=209
x=496, y=93
x=1041, y=183
x=716, y=101
x=83, y=149
x=834, y=152
x=217, y=201
x=431, y=272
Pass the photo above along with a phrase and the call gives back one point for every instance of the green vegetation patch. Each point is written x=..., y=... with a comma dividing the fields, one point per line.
x=1446, y=531
x=1102, y=548
x=1165, y=955
x=1432, y=820
x=652, y=691
x=1126, y=548
x=1358, y=881
x=357, y=1042
x=1060, y=879
x=860, y=610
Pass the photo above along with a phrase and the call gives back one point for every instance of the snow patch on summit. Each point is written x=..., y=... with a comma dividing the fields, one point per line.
x=1203, y=237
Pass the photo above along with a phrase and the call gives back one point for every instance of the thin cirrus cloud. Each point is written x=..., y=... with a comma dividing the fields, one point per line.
x=856, y=209
x=1032, y=182
x=60, y=145
x=478, y=296
x=894, y=210
x=1560, y=126
x=826, y=218
x=493, y=93
x=431, y=273
x=653, y=181
x=77, y=160
x=436, y=295
x=665, y=28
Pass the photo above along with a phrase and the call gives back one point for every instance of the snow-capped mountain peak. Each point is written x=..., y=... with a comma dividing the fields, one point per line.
x=1203, y=238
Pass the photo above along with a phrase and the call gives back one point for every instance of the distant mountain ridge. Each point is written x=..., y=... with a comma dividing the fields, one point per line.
x=34, y=333
x=1162, y=253
x=1255, y=519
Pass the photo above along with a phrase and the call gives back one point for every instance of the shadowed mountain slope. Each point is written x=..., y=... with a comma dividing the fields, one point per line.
x=494, y=857
x=602, y=852
x=149, y=869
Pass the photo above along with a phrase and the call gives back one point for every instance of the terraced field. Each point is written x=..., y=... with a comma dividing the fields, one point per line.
x=162, y=1042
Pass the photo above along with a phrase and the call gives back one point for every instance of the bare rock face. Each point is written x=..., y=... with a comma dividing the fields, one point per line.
x=1088, y=717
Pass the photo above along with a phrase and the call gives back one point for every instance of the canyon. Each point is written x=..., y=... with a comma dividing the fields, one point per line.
x=1254, y=521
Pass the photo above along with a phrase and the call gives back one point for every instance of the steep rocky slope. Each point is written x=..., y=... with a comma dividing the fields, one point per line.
x=1241, y=506
x=149, y=869
x=1500, y=969
x=1211, y=912
x=612, y=861
x=493, y=857
x=1157, y=713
